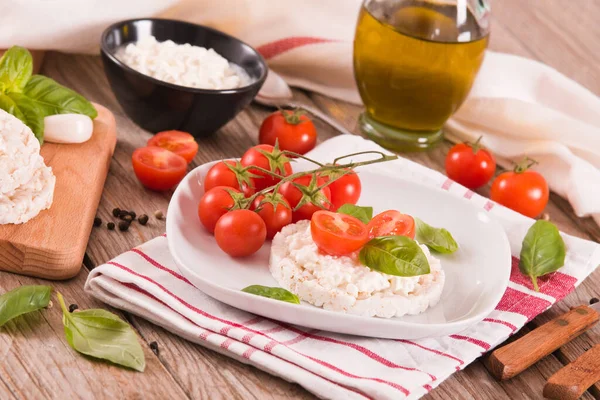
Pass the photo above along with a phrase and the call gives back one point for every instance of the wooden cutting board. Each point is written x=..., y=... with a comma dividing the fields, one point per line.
x=52, y=245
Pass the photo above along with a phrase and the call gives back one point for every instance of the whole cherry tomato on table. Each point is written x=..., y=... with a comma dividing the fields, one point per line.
x=229, y=173
x=300, y=191
x=269, y=158
x=275, y=210
x=337, y=234
x=157, y=168
x=181, y=143
x=345, y=189
x=292, y=129
x=470, y=165
x=240, y=233
x=522, y=190
x=215, y=203
x=390, y=223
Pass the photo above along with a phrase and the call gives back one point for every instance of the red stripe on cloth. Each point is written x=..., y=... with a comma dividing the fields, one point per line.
x=521, y=303
x=253, y=321
x=447, y=183
x=237, y=325
x=159, y=265
x=428, y=387
x=488, y=205
x=272, y=49
x=557, y=284
x=225, y=345
x=204, y=335
x=269, y=346
x=248, y=353
x=480, y=343
x=498, y=321
x=469, y=194
x=276, y=329
x=439, y=353
x=295, y=340
x=359, y=348
x=247, y=337
x=225, y=330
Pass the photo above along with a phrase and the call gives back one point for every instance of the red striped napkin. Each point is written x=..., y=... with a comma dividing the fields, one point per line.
x=146, y=282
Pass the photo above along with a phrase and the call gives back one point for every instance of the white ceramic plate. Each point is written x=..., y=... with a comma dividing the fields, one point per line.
x=476, y=275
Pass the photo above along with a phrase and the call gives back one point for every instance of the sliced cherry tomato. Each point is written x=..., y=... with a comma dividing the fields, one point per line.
x=229, y=173
x=390, y=223
x=275, y=210
x=240, y=233
x=293, y=131
x=470, y=165
x=522, y=190
x=310, y=203
x=157, y=168
x=344, y=190
x=181, y=143
x=215, y=203
x=337, y=234
x=269, y=158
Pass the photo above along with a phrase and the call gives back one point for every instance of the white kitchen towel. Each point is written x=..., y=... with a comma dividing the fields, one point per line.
x=146, y=282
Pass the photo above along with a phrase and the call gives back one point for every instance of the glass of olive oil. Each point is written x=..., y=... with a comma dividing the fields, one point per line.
x=414, y=63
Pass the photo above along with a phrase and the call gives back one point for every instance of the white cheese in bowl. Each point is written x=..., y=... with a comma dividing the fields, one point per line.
x=183, y=64
x=343, y=284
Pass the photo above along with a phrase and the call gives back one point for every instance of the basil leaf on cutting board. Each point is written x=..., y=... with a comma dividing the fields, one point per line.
x=52, y=98
x=23, y=300
x=437, y=239
x=543, y=251
x=30, y=114
x=101, y=334
x=365, y=214
x=394, y=255
x=272, y=293
x=16, y=66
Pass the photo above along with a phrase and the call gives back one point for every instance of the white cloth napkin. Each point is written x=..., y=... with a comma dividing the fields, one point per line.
x=146, y=282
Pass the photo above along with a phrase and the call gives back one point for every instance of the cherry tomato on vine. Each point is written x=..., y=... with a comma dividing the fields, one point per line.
x=390, y=223
x=229, y=173
x=215, y=203
x=470, y=165
x=522, y=190
x=269, y=158
x=302, y=194
x=240, y=233
x=157, y=168
x=337, y=234
x=180, y=143
x=344, y=190
x=293, y=130
x=275, y=210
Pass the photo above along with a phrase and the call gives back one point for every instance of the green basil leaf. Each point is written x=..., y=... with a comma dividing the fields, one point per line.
x=394, y=255
x=101, y=334
x=272, y=293
x=31, y=114
x=543, y=251
x=52, y=98
x=23, y=300
x=9, y=105
x=365, y=214
x=437, y=239
x=16, y=66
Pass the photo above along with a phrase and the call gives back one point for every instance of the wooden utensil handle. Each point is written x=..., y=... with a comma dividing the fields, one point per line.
x=572, y=380
x=519, y=355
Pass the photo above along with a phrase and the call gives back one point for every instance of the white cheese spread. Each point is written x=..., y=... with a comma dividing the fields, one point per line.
x=343, y=284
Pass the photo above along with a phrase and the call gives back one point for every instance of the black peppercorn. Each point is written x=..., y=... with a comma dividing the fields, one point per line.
x=123, y=214
x=97, y=222
x=154, y=347
x=124, y=225
x=127, y=218
x=133, y=214
x=159, y=214
x=143, y=219
x=116, y=212
x=111, y=226
x=594, y=300
x=73, y=307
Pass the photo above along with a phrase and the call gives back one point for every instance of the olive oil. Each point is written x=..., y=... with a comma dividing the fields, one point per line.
x=415, y=61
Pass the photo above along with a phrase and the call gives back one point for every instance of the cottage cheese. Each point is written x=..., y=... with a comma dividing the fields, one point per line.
x=343, y=284
x=183, y=64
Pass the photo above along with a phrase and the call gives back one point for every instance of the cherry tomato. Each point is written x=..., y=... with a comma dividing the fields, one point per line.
x=292, y=130
x=345, y=190
x=337, y=234
x=181, y=143
x=275, y=217
x=294, y=196
x=269, y=158
x=470, y=165
x=215, y=203
x=157, y=168
x=229, y=173
x=240, y=233
x=525, y=192
x=390, y=223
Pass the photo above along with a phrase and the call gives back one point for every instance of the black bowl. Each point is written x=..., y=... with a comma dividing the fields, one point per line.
x=156, y=105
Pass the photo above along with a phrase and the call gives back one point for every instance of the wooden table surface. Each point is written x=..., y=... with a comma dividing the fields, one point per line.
x=37, y=363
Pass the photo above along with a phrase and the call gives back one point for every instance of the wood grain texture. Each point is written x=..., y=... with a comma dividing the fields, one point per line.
x=571, y=381
x=52, y=245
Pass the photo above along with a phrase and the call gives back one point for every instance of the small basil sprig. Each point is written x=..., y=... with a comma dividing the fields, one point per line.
x=102, y=334
x=23, y=300
x=394, y=255
x=543, y=251
x=272, y=293
x=437, y=239
x=365, y=214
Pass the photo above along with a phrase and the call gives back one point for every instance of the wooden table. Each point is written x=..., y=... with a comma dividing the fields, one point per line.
x=37, y=363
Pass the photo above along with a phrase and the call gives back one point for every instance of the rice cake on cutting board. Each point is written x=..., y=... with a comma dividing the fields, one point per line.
x=52, y=245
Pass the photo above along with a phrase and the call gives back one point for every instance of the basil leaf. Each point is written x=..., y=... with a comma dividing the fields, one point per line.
x=101, y=334
x=9, y=105
x=272, y=293
x=23, y=300
x=30, y=114
x=16, y=66
x=394, y=255
x=365, y=214
x=52, y=98
x=543, y=251
x=437, y=239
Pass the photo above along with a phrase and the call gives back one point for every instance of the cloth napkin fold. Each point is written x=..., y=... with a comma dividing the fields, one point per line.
x=145, y=281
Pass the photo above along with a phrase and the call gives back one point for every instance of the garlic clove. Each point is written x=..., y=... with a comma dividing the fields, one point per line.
x=68, y=128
